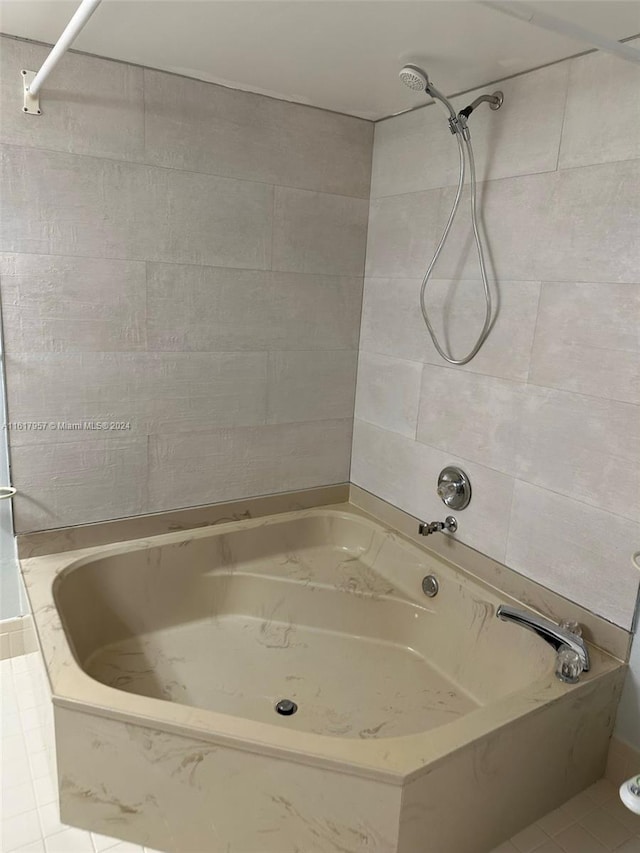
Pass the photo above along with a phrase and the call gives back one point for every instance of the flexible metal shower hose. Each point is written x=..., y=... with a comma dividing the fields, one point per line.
x=476, y=233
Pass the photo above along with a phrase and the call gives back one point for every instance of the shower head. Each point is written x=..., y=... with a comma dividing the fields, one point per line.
x=415, y=78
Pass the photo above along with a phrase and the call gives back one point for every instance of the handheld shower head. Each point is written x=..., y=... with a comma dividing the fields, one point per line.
x=415, y=78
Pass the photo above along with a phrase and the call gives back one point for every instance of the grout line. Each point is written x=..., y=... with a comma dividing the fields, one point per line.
x=507, y=474
x=345, y=276
x=27, y=149
x=564, y=116
x=481, y=184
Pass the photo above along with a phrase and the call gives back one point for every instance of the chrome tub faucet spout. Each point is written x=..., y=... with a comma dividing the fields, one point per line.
x=572, y=654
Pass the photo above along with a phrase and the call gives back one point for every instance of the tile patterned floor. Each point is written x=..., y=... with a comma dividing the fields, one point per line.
x=593, y=822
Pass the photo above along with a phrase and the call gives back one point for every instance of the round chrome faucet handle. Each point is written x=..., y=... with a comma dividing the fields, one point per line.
x=447, y=490
x=454, y=488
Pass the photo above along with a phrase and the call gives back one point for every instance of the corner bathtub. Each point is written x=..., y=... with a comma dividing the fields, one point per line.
x=423, y=725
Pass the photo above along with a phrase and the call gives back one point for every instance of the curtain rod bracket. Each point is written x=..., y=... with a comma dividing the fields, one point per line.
x=31, y=103
x=32, y=83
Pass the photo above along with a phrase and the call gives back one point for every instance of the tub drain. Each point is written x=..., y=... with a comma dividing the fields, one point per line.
x=286, y=707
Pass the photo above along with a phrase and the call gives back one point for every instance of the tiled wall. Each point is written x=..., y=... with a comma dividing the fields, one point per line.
x=546, y=419
x=186, y=258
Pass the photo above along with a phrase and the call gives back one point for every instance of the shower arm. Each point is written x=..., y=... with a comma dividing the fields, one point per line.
x=494, y=101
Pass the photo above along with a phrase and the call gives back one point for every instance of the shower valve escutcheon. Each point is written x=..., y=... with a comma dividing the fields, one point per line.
x=450, y=525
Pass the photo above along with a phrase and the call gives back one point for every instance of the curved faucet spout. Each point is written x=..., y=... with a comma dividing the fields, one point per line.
x=548, y=630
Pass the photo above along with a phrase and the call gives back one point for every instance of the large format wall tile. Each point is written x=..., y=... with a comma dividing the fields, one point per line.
x=154, y=392
x=582, y=447
x=592, y=231
x=571, y=225
x=477, y=417
x=551, y=398
x=405, y=473
x=588, y=339
x=207, y=128
x=319, y=233
x=67, y=204
x=194, y=308
x=77, y=483
x=403, y=233
x=89, y=105
x=416, y=151
x=388, y=392
x=457, y=310
x=64, y=304
x=139, y=288
x=247, y=461
x=311, y=385
x=576, y=550
x=392, y=322
x=602, y=116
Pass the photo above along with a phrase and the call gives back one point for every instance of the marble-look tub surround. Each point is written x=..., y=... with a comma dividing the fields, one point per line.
x=545, y=418
x=185, y=257
x=135, y=766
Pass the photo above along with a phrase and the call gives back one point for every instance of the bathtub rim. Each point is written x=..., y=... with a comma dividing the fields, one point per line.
x=412, y=755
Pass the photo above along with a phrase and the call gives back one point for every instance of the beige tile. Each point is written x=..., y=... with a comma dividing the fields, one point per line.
x=601, y=89
x=472, y=416
x=403, y=233
x=529, y=839
x=64, y=304
x=586, y=557
x=555, y=821
x=20, y=830
x=103, y=116
x=630, y=846
x=391, y=320
x=616, y=810
x=590, y=231
x=388, y=392
x=572, y=225
x=5, y=647
x=582, y=447
x=78, y=482
x=609, y=831
x=311, y=385
x=415, y=151
x=225, y=464
x=69, y=841
x=210, y=308
x=618, y=763
x=575, y=839
x=507, y=847
x=457, y=311
x=319, y=232
x=514, y=211
x=16, y=641
x=548, y=846
x=602, y=791
x=185, y=392
x=207, y=128
x=105, y=208
x=405, y=472
x=587, y=339
x=152, y=392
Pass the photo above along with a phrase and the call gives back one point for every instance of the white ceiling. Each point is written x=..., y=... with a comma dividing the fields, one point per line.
x=343, y=56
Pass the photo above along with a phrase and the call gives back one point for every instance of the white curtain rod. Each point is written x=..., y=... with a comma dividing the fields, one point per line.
x=530, y=15
x=32, y=83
